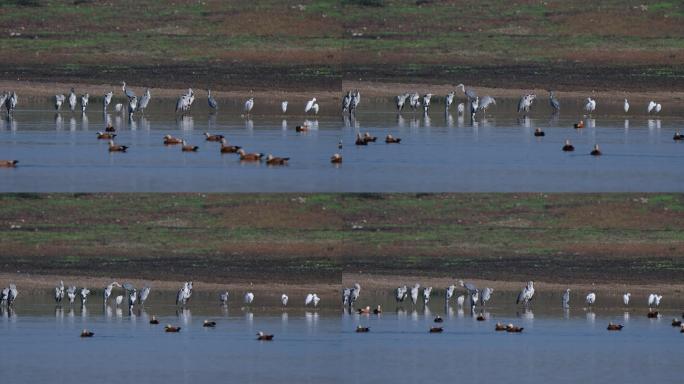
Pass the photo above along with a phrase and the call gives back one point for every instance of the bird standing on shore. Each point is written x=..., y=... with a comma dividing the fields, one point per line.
x=554, y=102
x=72, y=100
x=249, y=104
x=566, y=298
x=84, y=102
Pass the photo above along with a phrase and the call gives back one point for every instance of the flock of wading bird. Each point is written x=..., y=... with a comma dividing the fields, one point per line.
x=476, y=298
x=350, y=102
x=130, y=297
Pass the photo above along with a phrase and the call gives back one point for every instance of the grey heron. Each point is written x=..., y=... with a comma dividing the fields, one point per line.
x=144, y=294
x=526, y=294
x=108, y=291
x=127, y=92
x=72, y=100
x=223, y=297
x=309, y=105
x=84, y=295
x=354, y=294
x=401, y=293
x=486, y=295
x=249, y=104
x=11, y=103
x=474, y=104
x=59, y=100
x=626, y=106
x=9, y=295
x=654, y=300
x=346, y=101
x=485, y=103
x=4, y=296
x=448, y=100
x=427, y=291
x=283, y=106
x=414, y=101
x=84, y=102
x=132, y=105
x=211, y=102
x=525, y=102
x=566, y=298
x=355, y=101
x=401, y=99
x=346, y=296
x=460, y=109
x=132, y=297
x=469, y=92
x=414, y=293
x=590, y=105
x=426, y=102
x=626, y=297
x=71, y=293
x=249, y=298
x=144, y=100
x=449, y=292
x=591, y=299
x=554, y=102
x=106, y=100
x=59, y=292
x=284, y=299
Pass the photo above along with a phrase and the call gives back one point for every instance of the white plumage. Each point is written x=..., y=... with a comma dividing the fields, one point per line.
x=249, y=297
x=309, y=105
x=591, y=298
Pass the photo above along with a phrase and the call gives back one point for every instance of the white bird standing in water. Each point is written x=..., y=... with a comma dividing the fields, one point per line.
x=71, y=294
x=591, y=299
x=309, y=105
x=249, y=104
x=449, y=292
x=427, y=291
x=144, y=293
x=426, y=102
x=119, y=300
x=590, y=105
x=84, y=295
x=314, y=108
x=223, y=298
x=59, y=292
x=108, y=291
x=414, y=293
x=566, y=298
x=84, y=102
x=401, y=99
x=284, y=299
x=309, y=299
x=526, y=294
x=59, y=100
x=106, y=100
x=460, y=300
x=448, y=100
x=249, y=297
x=654, y=300
x=401, y=293
x=626, y=297
x=283, y=106
x=354, y=294
x=460, y=109
x=626, y=106
x=72, y=100
x=486, y=295
x=651, y=106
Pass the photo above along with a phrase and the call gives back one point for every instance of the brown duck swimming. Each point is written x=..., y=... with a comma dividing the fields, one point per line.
x=514, y=328
x=272, y=160
x=436, y=329
x=154, y=320
x=110, y=129
x=8, y=163
x=500, y=327
x=263, y=336
x=615, y=327
x=87, y=333
x=189, y=148
x=360, y=329
x=171, y=329
x=225, y=148
x=336, y=158
x=538, y=132
x=249, y=156
x=116, y=148
x=579, y=125
x=596, y=151
x=392, y=140
x=209, y=324
x=105, y=135
x=210, y=137
x=170, y=140
x=677, y=136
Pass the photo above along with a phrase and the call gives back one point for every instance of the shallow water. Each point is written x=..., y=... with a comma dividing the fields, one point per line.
x=59, y=152
x=40, y=343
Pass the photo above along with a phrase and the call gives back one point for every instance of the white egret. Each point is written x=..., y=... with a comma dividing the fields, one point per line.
x=283, y=106
x=460, y=108
x=654, y=300
x=460, y=300
x=118, y=300
x=401, y=99
x=284, y=299
x=626, y=106
x=71, y=294
x=426, y=102
x=626, y=297
x=450, y=292
x=401, y=293
x=651, y=106
x=59, y=292
x=309, y=299
x=448, y=100
x=590, y=105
